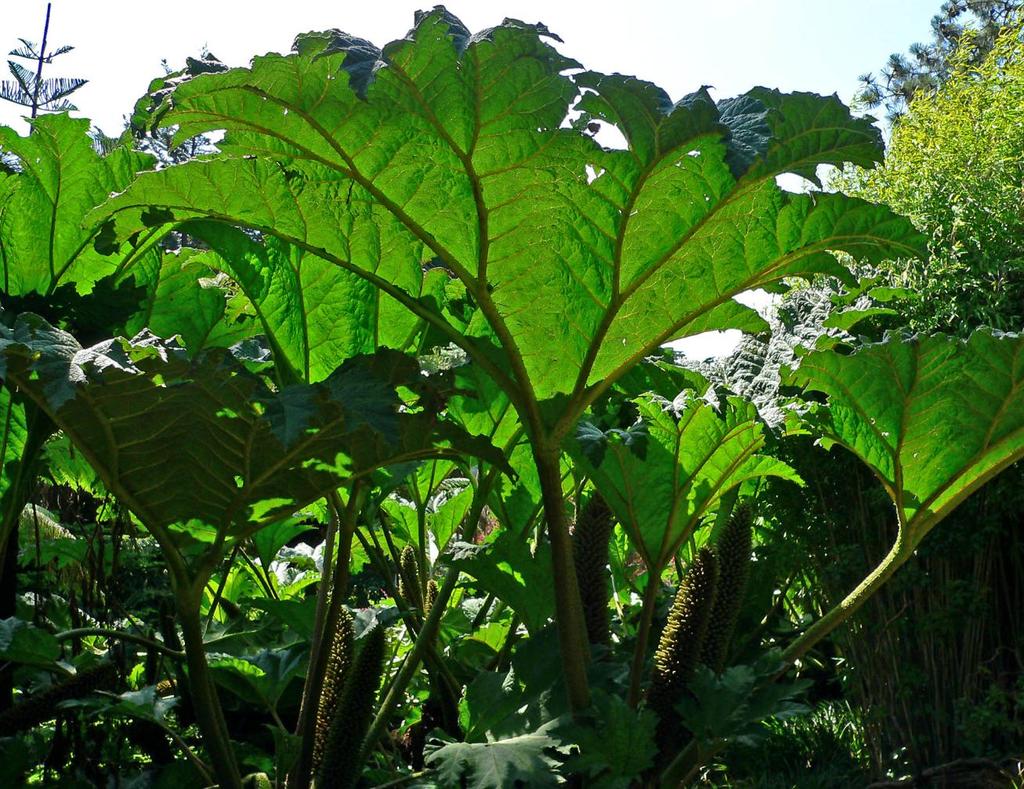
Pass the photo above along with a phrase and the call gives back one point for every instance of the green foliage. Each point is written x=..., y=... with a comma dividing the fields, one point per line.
x=506, y=567
x=733, y=550
x=591, y=535
x=687, y=454
x=60, y=179
x=284, y=449
x=425, y=294
x=451, y=150
x=731, y=705
x=22, y=642
x=343, y=752
x=824, y=749
x=955, y=166
x=361, y=181
x=13, y=432
x=615, y=743
x=929, y=66
x=681, y=642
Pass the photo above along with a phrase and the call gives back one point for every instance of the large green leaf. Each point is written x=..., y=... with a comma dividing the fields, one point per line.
x=453, y=149
x=23, y=642
x=314, y=313
x=664, y=476
x=61, y=178
x=179, y=439
x=184, y=296
x=616, y=742
x=934, y=417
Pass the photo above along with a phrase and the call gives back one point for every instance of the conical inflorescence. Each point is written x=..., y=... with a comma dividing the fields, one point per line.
x=42, y=706
x=409, y=578
x=432, y=591
x=339, y=661
x=343, y=749
x=681, y=642
x=733, y=551
x=590, y=554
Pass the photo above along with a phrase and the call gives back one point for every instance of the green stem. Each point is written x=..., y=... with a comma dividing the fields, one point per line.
x=40, y=428
x=683, y=769
x=569, y=620
x=196, y=762
x=219, y=593
x=447, y=684
x=19, y=489
x=848, y=606
x=643, y=634
x=209, y=715
x=119, y=635
x=481, y=615
x=413, y=658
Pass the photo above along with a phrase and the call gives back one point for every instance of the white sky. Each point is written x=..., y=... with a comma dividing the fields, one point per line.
x=816, y=45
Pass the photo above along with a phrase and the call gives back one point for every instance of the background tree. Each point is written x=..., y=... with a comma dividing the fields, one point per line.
x=926, y=66
x=30, y=89
x=955, y=166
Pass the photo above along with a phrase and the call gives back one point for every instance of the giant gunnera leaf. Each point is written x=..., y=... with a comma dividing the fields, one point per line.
x=203, y=439
x=934, y=417
x=474, y=154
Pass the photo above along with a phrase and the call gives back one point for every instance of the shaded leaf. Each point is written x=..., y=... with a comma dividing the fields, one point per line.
x=23, y=642
x=616, y=742
x=204, y=439
x=507, y=568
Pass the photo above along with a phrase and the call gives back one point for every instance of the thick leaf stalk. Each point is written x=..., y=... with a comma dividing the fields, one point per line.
x=733, y=552
x=203, y=692
x=339, y=660
x=681, y=643
x=42, y=706
x=573, y=646
x=343, y=749
x=590, y=553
